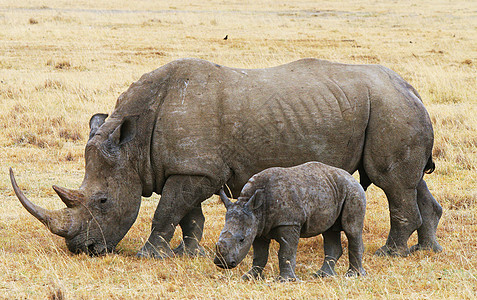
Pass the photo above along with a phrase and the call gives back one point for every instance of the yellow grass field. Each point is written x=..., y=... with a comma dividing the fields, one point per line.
x=61, y=62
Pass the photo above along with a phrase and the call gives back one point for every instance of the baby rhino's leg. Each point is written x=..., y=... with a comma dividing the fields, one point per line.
x=352, y=221
x=260, y=258
x=333, y=251
x=287, y=237
x=356, y=249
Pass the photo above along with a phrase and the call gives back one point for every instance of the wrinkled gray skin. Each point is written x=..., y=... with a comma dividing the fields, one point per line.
x=191, y=126
x=285, y=204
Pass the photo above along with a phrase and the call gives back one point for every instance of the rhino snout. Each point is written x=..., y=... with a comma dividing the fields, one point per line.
x=223, y=257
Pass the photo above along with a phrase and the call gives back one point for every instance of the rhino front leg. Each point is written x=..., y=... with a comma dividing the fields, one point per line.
x=260, y=257
x=431, y=212
x=181, y=195
x=287, y=237
x=192, y=226
x=333, y=251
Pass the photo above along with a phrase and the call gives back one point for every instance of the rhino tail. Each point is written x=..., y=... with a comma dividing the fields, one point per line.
x=430, y=166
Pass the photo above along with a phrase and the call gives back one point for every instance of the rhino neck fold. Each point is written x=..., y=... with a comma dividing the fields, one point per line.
x=144, y=150
x=145, y=98
x=148, y=176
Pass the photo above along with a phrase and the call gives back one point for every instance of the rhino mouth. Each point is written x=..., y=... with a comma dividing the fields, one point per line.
x=221, y=263
x=91, y=248
x=94, y=250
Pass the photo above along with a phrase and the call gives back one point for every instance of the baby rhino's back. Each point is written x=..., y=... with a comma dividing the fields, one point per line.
x=310, y=195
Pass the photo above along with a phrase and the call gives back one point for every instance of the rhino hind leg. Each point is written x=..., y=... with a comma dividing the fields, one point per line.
x=396, y=154
x=181, y=195
x=333, y=251
x=405, y=219
x=355, y=251
x=431, y=212
x=352, y=223
x=412, y=207
x=192, y=226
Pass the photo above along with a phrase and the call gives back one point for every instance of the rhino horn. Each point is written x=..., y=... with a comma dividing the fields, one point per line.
x=58, y=221
x=71, y=198
x=224, y=198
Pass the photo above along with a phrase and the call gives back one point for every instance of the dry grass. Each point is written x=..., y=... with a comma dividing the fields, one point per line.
x=62, y=62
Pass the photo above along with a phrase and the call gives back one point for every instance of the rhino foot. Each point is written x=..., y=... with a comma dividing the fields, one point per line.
x=324, y=273
x=150, y=251
x=182, y=249
x=355, y=273
x=284, y=279
x=254, y=274
x=388, y=251
x=251, y=277
x=431, y=246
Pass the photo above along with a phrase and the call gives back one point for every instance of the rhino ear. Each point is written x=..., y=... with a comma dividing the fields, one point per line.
x=125, y=131
x=255, y=201
x=95, y=122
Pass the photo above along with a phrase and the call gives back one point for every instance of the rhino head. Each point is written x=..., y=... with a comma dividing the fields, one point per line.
x=242, y=221
x=100, y=213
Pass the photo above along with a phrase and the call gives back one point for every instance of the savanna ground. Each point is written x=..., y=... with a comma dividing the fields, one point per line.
x=62, y=62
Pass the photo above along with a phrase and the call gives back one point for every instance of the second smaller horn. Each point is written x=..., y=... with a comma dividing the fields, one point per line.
x=71, y=198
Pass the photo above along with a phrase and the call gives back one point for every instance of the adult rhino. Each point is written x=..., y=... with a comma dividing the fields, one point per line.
x=191, y=126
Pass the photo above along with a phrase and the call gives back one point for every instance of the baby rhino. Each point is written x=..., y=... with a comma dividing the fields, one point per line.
x=285, y=204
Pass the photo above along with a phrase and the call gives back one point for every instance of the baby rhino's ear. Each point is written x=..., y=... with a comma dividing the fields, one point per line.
x=256, y=200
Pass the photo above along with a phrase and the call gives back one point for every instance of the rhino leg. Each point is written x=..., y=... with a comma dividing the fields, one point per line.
x=333, y=251
x=405, y=219
x=192, y=226
x=395, y=162
x=260, y=258
x=431, y=212
x=181, y=195
x=355, y=252
x=287, y=237
x=352, y=222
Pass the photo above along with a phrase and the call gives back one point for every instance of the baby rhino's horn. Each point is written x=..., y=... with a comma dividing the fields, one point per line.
x=224, y=198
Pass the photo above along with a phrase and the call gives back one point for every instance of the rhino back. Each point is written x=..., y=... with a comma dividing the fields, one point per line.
x=284, y=116
x=228, y=123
